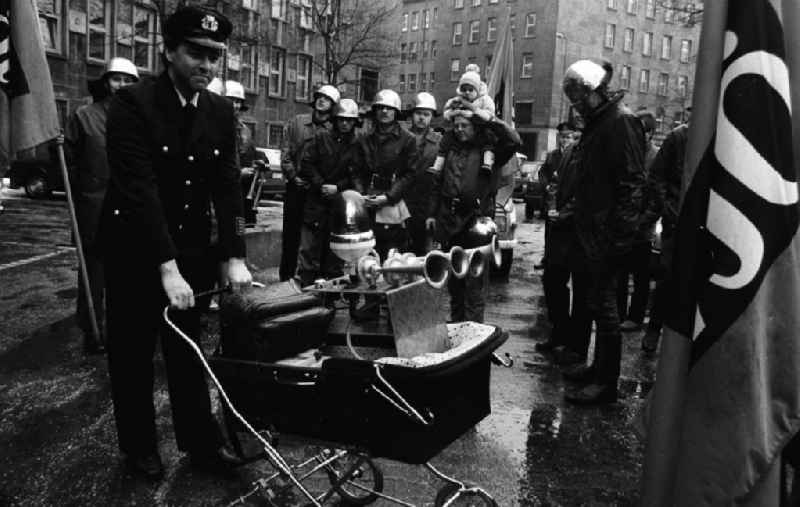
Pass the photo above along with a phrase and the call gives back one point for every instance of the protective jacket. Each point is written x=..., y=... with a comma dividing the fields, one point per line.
x=331, y=158
x=610, y=182
x=666, y=173
x=85, y=140
x=299, y=131
x=392, y=162
x=168, y=163
x=418, y=196
x=461, y=190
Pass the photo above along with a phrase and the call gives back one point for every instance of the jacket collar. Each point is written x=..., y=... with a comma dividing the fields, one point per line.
x=394, y=131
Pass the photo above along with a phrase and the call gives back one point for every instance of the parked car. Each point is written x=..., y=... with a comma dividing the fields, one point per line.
x=533, y=192
x=272, y=182
x=37, y=171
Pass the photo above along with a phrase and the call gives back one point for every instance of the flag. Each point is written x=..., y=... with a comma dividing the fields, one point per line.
x=500, y=88
x=727, y=393
x=28, y=115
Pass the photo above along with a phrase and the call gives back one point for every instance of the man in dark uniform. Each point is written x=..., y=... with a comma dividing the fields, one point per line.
x=461, y=193
x=171, y=153
x=418, y=196
x=300, y=130
x=85, y=143
x=332, y=162
x=608, y=205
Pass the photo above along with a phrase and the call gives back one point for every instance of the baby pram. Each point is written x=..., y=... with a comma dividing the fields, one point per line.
x=290, y=365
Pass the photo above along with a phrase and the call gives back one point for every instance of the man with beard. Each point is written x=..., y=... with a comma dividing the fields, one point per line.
x=463, y=193
x=300, y=130
x=171, y=152
x=85, y=143
x=418, y=197
x=608, y=201
x=331, y=163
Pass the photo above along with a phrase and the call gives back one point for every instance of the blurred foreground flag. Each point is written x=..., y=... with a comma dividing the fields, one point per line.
x=727, y=394
x=28, y=113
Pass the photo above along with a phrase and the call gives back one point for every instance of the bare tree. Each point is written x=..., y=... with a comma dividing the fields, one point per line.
x=688, y=12
x=352, y=32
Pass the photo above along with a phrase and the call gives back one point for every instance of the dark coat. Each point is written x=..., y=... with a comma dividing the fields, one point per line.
x=461, y=190
x=418, y=196
x=392, y=162
x=330, y=159
x=666, y=174
x=299, y=131
x=85, y=143
x=164, y=179
x=610, y=184
x=548, y=173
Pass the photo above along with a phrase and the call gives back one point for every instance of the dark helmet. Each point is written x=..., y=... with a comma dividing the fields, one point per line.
x=479, y=232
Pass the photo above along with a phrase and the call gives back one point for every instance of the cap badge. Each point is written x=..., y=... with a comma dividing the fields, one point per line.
x=209, y=23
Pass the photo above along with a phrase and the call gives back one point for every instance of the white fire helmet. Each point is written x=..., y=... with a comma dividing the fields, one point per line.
x=234, y=90
x=387, y=98
x=346, y=108
x=424, y=100
x=328, y=91
x=122, y=66
x=215, y=86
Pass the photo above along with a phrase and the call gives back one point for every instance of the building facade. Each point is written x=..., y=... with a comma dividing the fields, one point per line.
x=651, y=45
x=274, y=51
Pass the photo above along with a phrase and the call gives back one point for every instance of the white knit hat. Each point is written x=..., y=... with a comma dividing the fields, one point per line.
x=470, y=78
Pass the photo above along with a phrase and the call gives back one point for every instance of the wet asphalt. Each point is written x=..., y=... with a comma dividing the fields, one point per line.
x=57, y=428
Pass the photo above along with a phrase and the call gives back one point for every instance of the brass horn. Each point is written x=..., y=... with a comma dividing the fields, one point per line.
x=402, y=268
x=477, y=256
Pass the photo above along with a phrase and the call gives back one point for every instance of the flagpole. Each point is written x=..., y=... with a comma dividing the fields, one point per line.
x=78, y=242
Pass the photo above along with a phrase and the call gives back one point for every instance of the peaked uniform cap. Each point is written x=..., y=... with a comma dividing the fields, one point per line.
x=198, y=25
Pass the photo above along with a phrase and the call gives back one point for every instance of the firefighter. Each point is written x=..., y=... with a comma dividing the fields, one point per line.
x=85, y=142
x=418, y=196
x=331, y=163
x=300, y=130
x=171, y=153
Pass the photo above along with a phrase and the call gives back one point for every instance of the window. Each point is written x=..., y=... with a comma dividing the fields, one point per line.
x=144, y=37
x=611, y=4
x=523, y=113
x=625, y=77
x=403, y=48
x=234, y=62
x=274, y=135
x=647, y=44
x=663, y=84
x=632, y=7
x=412, y=82
x=435, y=15
x=412, y=52
x=492, y=1
x=457, y=33
x=415, y=20
x=476, y=3
x=247, y=74
x=404, y=25
x=303, y=85
x=669, y=13
x=277, y=66
x=50, y=24
x=627, y=42
x=422, y=82
x=644, y=81
x=491, y=29
x=474, y=32
x=455, y=67
x=278, y=9
x=666, y=47
x=432, y=80
x=433, y=49
x=426, y=19
x=686, y=50
x=683, y=86
x=402, y=85
x=425, y=50
x=611, y=32
x=530, y=24
x=368, y=84
x=650, y=9
x=250, y=5
x=458, y=4
x=98, y=44
x=512, y=22
x=527, y=65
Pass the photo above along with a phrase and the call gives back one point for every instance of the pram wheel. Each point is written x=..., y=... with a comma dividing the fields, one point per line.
x=356, y=479
x=452, y=495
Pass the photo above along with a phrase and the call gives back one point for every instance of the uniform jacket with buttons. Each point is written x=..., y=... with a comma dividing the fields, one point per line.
x=392, y=161
x=85, y=142
x=299, y=131
x=461, y=190
x=164, y=177
x=331, y=158
x=418, y=196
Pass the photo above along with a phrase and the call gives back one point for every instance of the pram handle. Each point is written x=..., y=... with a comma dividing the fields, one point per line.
x=399, y=402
